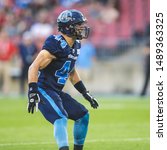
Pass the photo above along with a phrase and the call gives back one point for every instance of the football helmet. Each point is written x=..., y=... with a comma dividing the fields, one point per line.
x=72, y=23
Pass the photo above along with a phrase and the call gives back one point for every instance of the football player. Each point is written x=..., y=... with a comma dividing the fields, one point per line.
x=48, y=74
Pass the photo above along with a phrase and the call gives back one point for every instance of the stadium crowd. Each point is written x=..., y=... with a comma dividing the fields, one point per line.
x=24, y=25
x=39, y=16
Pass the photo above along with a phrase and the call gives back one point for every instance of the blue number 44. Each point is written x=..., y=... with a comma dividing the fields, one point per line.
x=62, y=73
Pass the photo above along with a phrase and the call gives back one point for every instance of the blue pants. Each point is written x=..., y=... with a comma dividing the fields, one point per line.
x=55, y=105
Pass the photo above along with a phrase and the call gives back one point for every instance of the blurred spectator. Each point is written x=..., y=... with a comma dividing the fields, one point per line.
x=10, y=24
x=147, y=61
x=25, y=20
x=86, y=59
x=68, y=3
x=146, y=69
x=27, y=51
x=95, y=9
x=6, y=3
x=147, y=31
x=23, y=3
x=7, y=51
x=41, y=28
x=109, y=13
x=2, y=17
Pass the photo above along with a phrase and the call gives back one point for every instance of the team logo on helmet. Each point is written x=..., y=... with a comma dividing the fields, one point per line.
x=65, y=16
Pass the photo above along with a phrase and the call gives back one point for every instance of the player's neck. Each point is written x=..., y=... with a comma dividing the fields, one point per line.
x=69, y=40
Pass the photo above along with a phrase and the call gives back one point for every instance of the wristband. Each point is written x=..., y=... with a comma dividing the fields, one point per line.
x=33, y=87
x=80, y=87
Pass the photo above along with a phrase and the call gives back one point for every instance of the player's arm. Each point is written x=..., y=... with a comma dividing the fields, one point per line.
x=78, y=84
x=74, y=77
x=41, y=61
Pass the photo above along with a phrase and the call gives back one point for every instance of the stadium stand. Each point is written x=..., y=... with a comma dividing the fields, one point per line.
x=131, y=18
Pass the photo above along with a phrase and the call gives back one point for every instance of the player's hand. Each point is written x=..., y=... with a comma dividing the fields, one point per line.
x=33, y=97
x=93, y=102
x=33, y=100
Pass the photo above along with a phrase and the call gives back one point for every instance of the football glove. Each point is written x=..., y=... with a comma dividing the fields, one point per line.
x=33, y=99
x=93, y=102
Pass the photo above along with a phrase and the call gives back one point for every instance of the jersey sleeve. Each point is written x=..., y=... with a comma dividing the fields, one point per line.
x=51, y=45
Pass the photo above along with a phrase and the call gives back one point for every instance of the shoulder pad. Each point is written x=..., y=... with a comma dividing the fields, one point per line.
x=55, y=44
x=59, y=38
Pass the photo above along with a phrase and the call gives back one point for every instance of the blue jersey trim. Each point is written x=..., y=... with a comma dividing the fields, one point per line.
x=51, y=101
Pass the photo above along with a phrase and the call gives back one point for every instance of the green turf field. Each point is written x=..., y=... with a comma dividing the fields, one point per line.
x=119, y=124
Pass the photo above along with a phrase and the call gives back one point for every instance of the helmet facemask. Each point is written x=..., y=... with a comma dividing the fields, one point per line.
x=81, y=31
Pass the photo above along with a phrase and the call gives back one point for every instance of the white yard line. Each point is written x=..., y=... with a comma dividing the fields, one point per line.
x=87, y=141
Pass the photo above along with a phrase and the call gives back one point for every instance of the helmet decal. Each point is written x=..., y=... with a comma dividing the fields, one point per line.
x=65, y=16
